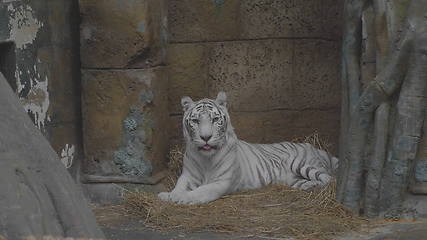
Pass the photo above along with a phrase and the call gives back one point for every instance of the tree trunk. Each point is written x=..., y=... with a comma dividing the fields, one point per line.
x=383, y=125
x=38, y=197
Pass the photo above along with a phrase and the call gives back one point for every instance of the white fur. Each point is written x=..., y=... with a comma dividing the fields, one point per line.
x=237, y=165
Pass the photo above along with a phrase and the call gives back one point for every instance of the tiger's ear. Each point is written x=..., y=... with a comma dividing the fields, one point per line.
x=221, y=99
x=186, y=103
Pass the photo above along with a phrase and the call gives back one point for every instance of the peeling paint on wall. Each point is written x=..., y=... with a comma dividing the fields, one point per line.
x=36, y=103
x=67, y=155
x=23, y=25
x=36, y=41
x=31, y=87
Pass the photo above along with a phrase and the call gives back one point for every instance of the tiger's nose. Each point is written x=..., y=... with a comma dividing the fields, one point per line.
x=206, y=137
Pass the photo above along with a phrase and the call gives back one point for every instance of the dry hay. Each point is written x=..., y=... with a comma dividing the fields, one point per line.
x=176, y=156
x=315, y=140
x=275, y=211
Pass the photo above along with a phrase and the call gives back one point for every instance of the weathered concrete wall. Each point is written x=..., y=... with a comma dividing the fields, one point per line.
x=39, y=57
x=38, y=197
x=123, y=50
x=278, y=61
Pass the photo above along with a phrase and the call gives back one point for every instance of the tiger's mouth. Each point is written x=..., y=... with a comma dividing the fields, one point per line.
x=207, y=147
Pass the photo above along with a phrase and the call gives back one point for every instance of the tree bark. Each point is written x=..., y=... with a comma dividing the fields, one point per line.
x=376, y=164
x=350, y=79
x=411, y=108
x=401, y=79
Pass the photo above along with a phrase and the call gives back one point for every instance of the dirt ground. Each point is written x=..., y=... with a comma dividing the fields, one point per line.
x=118, y=225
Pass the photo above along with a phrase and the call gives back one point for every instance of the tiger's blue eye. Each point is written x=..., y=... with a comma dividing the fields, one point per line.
x=215, y=119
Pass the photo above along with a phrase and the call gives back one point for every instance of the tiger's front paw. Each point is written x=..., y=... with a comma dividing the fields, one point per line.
x=176, y=197
x=181, y=197
x=164, y=196
x=185, y=199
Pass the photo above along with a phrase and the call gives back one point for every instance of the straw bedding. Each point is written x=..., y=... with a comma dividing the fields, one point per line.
x=275, y=211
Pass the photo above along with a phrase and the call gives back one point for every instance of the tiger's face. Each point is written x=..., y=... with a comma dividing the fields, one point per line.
x=205, y=123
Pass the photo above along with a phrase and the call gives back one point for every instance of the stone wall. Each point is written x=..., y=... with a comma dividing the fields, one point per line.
x=39, y=57
x=278, y=61
x=124, y=87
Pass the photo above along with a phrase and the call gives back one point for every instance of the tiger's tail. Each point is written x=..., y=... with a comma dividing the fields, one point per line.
x=313, y=173
x=310, y=177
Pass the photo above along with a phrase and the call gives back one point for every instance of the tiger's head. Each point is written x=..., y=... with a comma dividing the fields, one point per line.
x=206, y=124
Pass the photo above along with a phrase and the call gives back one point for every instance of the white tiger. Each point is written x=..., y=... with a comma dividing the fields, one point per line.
x=217, y=163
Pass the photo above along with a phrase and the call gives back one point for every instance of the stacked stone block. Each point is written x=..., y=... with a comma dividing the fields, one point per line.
x=278, y=61
x=125, y=118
